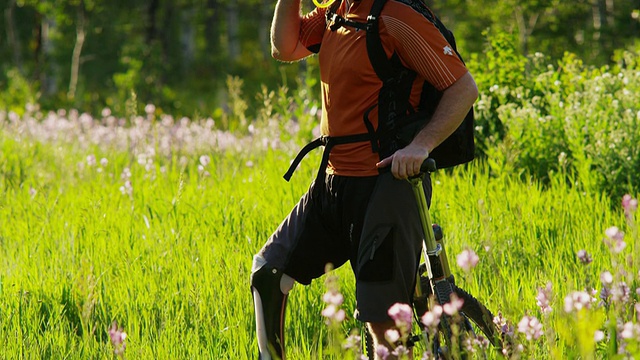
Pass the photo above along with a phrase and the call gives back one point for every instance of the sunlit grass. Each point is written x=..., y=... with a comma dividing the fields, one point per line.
x=170, y=263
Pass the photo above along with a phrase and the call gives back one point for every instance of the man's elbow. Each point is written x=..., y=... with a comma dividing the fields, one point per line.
x=278, y=54
x=275, y=53
x=290, y=56
x=471, y=87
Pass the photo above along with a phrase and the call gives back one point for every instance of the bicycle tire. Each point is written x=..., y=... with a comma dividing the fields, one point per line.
x=481, y=316
x=472, y=310
x=368, y=343
x=420, y=307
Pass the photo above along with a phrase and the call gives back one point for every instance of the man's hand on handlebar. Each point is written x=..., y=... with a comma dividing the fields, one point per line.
x=406, y=162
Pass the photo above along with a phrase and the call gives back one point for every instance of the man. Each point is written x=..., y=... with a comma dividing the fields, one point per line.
x=358, y=210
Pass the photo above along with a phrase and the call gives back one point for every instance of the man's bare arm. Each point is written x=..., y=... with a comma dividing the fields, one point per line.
x=453, y=107
x=285, y=31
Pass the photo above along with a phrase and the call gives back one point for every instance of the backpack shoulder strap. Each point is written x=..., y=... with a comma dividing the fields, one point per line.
x=382, y=65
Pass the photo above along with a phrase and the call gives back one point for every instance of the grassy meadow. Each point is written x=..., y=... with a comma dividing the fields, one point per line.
x=160, y=241
x=147, y=225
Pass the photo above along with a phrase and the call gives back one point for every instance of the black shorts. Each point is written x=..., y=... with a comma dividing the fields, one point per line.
x=371, y=221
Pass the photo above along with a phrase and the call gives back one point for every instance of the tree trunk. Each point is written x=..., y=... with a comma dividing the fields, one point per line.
x=264, y=31
x=610, y=9
x=151, y=25
x=597, y=19
x=50, y=73
x=187, y=37
x=77, y=50
x=12, y=36
x=525, y=27
x=165, y=39
x=37, y=50
x=233, y=30
x=212, y=30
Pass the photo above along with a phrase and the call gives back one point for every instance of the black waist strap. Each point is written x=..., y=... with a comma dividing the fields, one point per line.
x=328, y=142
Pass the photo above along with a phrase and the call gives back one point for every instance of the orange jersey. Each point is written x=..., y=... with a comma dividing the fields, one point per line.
x=350, y=86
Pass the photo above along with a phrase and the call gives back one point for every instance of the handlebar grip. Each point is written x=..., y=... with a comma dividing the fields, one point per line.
x=428, y=166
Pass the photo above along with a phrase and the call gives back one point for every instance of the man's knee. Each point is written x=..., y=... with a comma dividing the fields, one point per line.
x=266, y=279
x=269, y=287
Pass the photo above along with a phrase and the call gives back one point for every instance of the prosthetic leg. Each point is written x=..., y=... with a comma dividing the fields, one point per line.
x=270, y=288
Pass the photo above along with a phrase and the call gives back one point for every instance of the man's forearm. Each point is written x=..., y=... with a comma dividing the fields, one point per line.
x=453, y=107
x=285, y=29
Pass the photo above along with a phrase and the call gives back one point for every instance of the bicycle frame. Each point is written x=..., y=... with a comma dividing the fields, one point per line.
x=437, y=265
x=433, y=251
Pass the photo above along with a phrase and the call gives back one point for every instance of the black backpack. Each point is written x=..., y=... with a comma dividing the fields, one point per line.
x=398, y=121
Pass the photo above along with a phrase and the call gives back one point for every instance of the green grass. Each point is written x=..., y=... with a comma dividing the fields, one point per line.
x=171, y=263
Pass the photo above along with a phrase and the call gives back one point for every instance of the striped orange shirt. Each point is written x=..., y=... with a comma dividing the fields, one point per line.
x=350, y=86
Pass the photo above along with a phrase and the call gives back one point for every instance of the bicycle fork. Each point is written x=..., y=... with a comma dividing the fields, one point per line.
x=433, y=251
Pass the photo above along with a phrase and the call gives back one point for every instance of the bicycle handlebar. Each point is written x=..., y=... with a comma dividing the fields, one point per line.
x=428, y=166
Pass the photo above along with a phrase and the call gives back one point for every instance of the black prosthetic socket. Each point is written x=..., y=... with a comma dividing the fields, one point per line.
x=266, y=281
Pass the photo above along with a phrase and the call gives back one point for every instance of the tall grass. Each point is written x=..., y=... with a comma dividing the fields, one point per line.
x=148, y=224
x=170, y=262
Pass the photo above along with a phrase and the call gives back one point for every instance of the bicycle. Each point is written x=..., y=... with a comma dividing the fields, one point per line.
x=435, y=285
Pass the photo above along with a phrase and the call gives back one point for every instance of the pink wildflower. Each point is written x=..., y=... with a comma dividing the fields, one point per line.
x=431, y=318
x=615, y=239
x=584, y=257
x=605, y=294
x=629, y=204
x=117, y=336
x=401, y=352
x=503, y=324
x=91, y=160
x=127, y=188
x=333, y=314
x=467, y=259
x=150, y=109
x=620, y=292
x=204, y=160
x=627, y=330
x=354, y=341
x=543, y=299
x=402, y=315
x=126, y=174
x=606, y=278
x=333, y=298
x=392, y=336
x=382, y=352
x=451, y=308
x=531, y=327
x=577, y=301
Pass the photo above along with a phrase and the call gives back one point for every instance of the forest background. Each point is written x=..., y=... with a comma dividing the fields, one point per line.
x=178, y=54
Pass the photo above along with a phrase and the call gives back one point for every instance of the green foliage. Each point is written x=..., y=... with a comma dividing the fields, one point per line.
x=591, y=29
x=185, y=49
x=16, y=92
x=536, y=118
x=500, y=68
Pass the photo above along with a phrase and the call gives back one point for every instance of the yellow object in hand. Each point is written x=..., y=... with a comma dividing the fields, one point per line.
x=323, y=4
